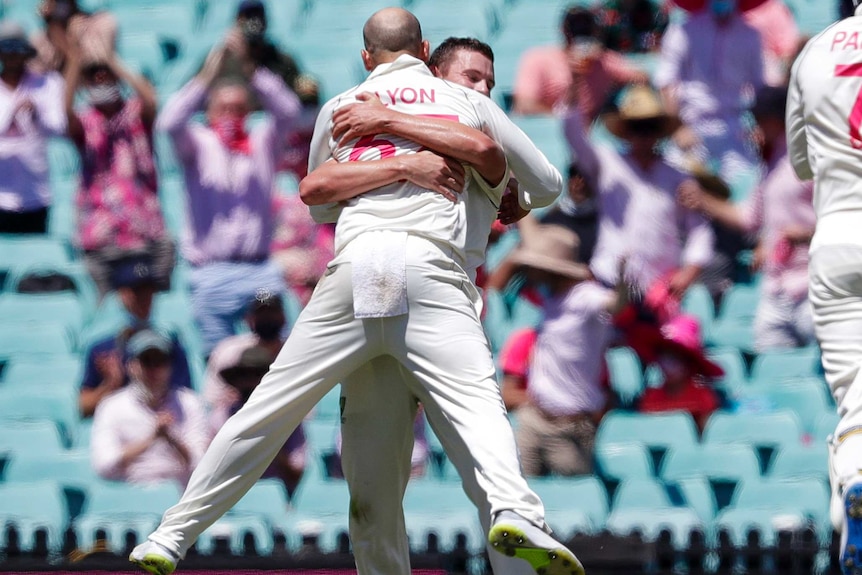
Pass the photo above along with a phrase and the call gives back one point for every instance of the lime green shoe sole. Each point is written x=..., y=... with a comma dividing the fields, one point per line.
x=511, y=541
x=155, y=564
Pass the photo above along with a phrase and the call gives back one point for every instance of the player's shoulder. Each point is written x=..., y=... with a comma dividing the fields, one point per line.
x=834, y=35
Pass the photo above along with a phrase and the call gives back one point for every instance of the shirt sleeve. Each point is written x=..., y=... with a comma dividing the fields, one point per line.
x=540, y=182
x=674, y=47
x=321, y=152
x=175, y=118
x=699, y=240
x=49, y=103
x=797, y=140
x=516, y=352
x=280, y=101
x=106, y=448
x=583, y=153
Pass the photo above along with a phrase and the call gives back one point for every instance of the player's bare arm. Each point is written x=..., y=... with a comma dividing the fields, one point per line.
x=370, y=117
x=336, y=181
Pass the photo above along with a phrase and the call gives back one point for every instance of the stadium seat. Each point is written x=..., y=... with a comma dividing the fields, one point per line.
x=730, y=463
x=21, y=250
x=740, y=302
x=625, y=373
x=698, y=495
x=320, y=510
x=658, y=431
x=474, y=19
x=262, y=510
x=118, y=508
x=698, y=302
x=825, y=426
x=650, y=523
x=808, y=398
x=27, y=437
x=69, y=468
x=59, y=406
x=32, y=507
x=799, y=462
x=641, y=494
x=809, y=497
x=776, y=365
x=63, y=159
x=621, y=461
x=426, y=501
x=329, y=408
x=502, y=318
x=573, y=504
x=731, y=361
x=763, y=430
x=59, y=308
x=547, y=133
x=33, y=375
x=731, y=332
x=29, y=340
x=738, y=522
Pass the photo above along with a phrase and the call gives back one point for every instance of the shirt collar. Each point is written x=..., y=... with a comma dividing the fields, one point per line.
x=403, y=62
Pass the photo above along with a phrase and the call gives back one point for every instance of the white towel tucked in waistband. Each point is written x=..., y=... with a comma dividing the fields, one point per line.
x=379, y=274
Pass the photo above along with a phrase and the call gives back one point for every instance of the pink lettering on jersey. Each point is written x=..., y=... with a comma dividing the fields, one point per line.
x=837, y=39
x=411, y=99
x=393, y=96
x=384, y=147
x=427, y=97
x=844, y=42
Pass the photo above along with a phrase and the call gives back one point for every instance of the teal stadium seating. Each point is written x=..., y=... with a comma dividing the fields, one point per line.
x=621, y=461
x=679, y=521
x=763, y=430
x=738, y=522
x=801, y=461
x=659, y=431
x=726, y=463
x=626, y=375
x=425, y=502
x=31, y=507
x=573, y=505
x=319, y=510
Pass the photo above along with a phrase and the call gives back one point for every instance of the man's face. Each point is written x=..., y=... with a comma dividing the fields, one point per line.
x=228, y=102
x=12, y=61
x=138, y=300
x=154, y=370
x=469, y=69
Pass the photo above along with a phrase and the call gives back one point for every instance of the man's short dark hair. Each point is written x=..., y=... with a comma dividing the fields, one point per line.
x=580, y=22
x=447, y=48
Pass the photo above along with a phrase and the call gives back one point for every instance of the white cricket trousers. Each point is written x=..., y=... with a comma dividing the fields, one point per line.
x=836, y=296
x=379, y=407
x=440, y=341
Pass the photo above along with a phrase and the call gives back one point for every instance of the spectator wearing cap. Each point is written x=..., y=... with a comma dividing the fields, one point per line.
x=244, y=375
x=709, y=67
x=66, y=24
x=149, y=431
x=686, y=373
x=639, y=218
x=229, y=176
x=781, y=212
x=118, y=208
x=566, y=397
x=31, y=111
x=105, y=367
x=266, y=321
x=546, y=74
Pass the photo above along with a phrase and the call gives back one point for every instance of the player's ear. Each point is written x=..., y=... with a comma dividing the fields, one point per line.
x=425, y=52
x=367, y=60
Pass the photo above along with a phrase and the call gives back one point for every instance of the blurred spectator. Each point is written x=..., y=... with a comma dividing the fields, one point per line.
x=66, y=23
x=118, y=207
x=301, y=247
x=639, y=218
x=229, y=176
x=244, y=376
x=565, y=398
x=546, y=74
x=251, y=25
x=686, y=373
x=722, y=271
x=577, y=210
x=780, y=37
x=781, y=210
x=266, y=319
x=150, y=431
x=515, y=359
x=845, y=8
x=298, y=143
x=633, y=25
x=31, y=111
x=710, y=66
x=104, y=370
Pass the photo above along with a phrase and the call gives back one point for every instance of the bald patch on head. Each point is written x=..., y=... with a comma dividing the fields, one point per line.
x=393, y=30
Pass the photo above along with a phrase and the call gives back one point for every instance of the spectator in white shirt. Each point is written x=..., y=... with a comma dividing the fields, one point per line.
x=149, y=431
x=31, y=111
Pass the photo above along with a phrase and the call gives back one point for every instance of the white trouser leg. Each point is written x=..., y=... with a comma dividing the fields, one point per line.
x=836, y=296
x=326, y=344
x=444, y=346
x=377, y=443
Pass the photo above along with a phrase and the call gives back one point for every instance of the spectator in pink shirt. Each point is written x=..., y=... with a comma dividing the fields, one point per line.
x=639, y=218
x=515, y=359
x=118, y=210
x=149, y=431
x=546, y=74
x=781, y=211
x=66, y=23
x=710, y=66
x=780, y=37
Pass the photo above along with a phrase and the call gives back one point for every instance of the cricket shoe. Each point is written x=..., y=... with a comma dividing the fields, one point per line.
x=851, y=534
x=152, y=557
x=514, y=536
